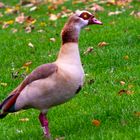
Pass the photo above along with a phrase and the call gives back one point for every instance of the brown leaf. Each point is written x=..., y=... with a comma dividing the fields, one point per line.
x=123, y=91
x=89, y=50
x=29, y=20
x=95, y=7
x=126, y=57
x=33, y=8
x=14, y=30
x=24, y=119
x=7, y=23
x=135, y=14
x=27, y=64
x=122, y=83
x=12, y=10
x=30, y=45
x=102, y=44
x=3, y=84
x=114, y=13
x=137, y=114
x=20, y=19
x=96, y=122
x=52, y=39
x=53, y=17
x=28, y=29
x=2, y=5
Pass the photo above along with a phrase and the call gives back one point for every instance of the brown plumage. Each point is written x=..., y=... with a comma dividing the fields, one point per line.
x=54, y=83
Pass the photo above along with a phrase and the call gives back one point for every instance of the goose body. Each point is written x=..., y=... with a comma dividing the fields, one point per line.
x=54, y=83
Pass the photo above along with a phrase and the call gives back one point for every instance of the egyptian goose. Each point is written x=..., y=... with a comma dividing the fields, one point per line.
x=53, y=83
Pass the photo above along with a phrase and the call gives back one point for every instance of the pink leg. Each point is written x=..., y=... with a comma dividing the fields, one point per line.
x=44, y=124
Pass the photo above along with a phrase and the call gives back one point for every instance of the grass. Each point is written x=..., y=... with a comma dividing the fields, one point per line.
x=105, y=67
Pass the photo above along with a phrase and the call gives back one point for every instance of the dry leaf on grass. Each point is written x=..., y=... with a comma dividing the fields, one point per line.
x=89, y=50
x=135, y=14
x=126, y=57
x=137, y=114
x=20, y=19
x=102, y=44
x=53, y=17
x=114, y=13
x=95, y=7
x=2, y=5
x=52, y=39
x=96, y=122
x=30, y=45
x=122, y=83
x=3, y=84
x=7, y=23
x=24, y=119
x=123, y=91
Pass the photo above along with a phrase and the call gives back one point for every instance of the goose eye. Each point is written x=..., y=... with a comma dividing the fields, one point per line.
x=85, y=16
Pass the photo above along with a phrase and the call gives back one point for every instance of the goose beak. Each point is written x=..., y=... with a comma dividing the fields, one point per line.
x=93, y=20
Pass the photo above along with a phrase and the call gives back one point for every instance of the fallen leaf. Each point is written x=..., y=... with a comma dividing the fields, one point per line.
x=2, y=5
x=126, y=57
x=128, y=92
x=95, y=7
x=135, y=14
x=28, y=29
x=137, y=114
x=29, y=20
x=14, y=30
x=102, y=44
x=19, y=131
x=114, y=13
x=60, y=138
x=30, y=45
x=53, y=17
x=20, y=19
x=24, y=119
x=3, y=84
x=7, y=23
x=89, y=50
x=122, y=83
x=1, y=15
x=27, y=64
x=12, y=10
x=52, y=39
x=96, y=122
x=33, y=8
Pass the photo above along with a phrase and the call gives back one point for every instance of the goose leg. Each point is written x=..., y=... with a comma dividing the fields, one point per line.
x=44, y=124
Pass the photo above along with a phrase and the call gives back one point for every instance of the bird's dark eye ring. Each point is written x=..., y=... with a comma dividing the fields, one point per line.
x=85, y=16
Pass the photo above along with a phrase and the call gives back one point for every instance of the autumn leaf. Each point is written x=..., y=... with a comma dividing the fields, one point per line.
x=7, y=23
x=123, y=91
x=30, y=45
x=3, y=84
x=20, y=19
x=29, y=20
x=89, y=50
x=135, y=14
x=52, y=39
x=96, y=122
x=126, y=57
x=28, y=29
x=2, y=5
x=114, y=13
x=24, y=119
x=102, y=44
x=122, y=83
x=137, y=114
x=95, y=7
x=53, y=17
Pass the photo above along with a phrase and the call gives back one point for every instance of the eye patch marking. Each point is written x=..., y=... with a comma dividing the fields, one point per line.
x=85, y=16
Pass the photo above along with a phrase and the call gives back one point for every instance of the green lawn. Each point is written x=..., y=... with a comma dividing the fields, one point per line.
x=105, y=67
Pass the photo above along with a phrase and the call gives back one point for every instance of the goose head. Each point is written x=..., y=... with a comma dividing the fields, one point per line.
x=83, y=18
